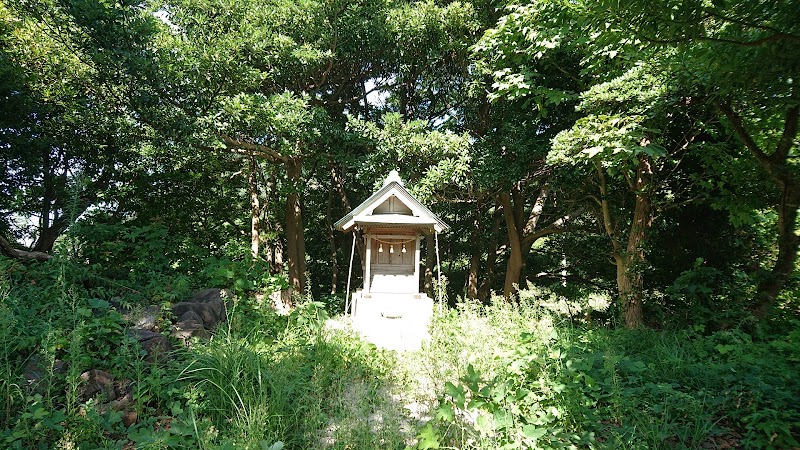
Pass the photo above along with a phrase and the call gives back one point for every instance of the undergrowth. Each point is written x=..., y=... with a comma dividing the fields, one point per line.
x=519, y=376
x=502, y=375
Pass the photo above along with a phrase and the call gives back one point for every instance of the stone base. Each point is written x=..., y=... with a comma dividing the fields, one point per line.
x=393, y=321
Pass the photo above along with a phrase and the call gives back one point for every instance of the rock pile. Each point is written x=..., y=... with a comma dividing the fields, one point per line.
x=198, y=316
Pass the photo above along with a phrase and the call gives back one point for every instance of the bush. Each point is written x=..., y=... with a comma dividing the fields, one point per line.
x=550, y=384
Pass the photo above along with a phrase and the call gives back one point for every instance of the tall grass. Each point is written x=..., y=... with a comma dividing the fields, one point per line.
x=303, y=386
x=502, y=375
x=520, y=376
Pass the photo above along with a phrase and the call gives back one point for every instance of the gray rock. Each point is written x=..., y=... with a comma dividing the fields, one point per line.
x=146, y=319
x=37, y=374
x=213, y=294
x=34, y=371
x=141, y=335
x=190, y=325
x=208, y=304
x=156, y=345
x=209, y=313
x=123, y=404
x=97, y=381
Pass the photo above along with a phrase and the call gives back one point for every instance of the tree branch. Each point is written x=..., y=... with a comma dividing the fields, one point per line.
x=774, y=30
x=738, y=127
x=787, y=138
x=608, y=224
x=536, y=211
x=558, y=226
x=753, y=43
x=7, y=249
x=254, y=149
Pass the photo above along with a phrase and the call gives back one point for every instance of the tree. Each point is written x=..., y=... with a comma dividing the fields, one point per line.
x=65, y=137
x=533, y=81
x=637, y=131
x=743, y=57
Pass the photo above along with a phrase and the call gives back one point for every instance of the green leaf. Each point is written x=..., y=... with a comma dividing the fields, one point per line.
x=533, y=432
x=278, y=445
x=456, y=392
x=427, y=438
x=724, y=349
x=445, y=412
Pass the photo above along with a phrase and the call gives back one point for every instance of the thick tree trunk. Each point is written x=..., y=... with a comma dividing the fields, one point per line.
x=336, y=179
x=430, y=264
x=522, y=233
x=255, y=210
x=7, y=249
x=629, y=287
x=491, y=259
x=788, y=180
x=788, y=243
x=474, y=267
x=273, y=228
x=475, y=257
x=295, y=238
x=48, y=236
x=630, y=260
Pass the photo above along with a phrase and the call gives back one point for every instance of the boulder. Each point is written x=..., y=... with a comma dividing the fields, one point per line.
x=124, y=405
x=156, y=345
x=190, y=325
x=37, y=374
x=121, y=401
x=208, y=304
x=97, y=381
x=34, y=371
x=146, y=319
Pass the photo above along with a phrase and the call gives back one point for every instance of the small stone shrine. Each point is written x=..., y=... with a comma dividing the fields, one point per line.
x=390, y=310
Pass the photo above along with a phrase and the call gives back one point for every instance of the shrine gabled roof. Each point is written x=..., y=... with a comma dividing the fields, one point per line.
x=421, y=216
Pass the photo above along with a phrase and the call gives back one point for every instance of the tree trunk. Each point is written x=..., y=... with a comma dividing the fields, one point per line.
x=788, y=243
x=474, y=267
x=336, y=179
x=475, y=257
x=630, y=279
x=521, y=232
x=788, y=180
x=295, y=239
x=255, y=210
x=47, y=236
x=629, y=286
x=491, y=259
x=273, y=229
x=7, y=249
x=514, y=265
x=430, y=263
x=332, y=241
x=630, y=260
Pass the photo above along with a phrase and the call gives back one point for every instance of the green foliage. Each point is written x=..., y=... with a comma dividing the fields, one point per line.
x=555, y=386
x=524, y=53
x=264, y=380
x=143, y=258
x=243, y=276
x=623, y=121
x=446, y=155
x=503, y=375
x=710, y=297
x=126, y=132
